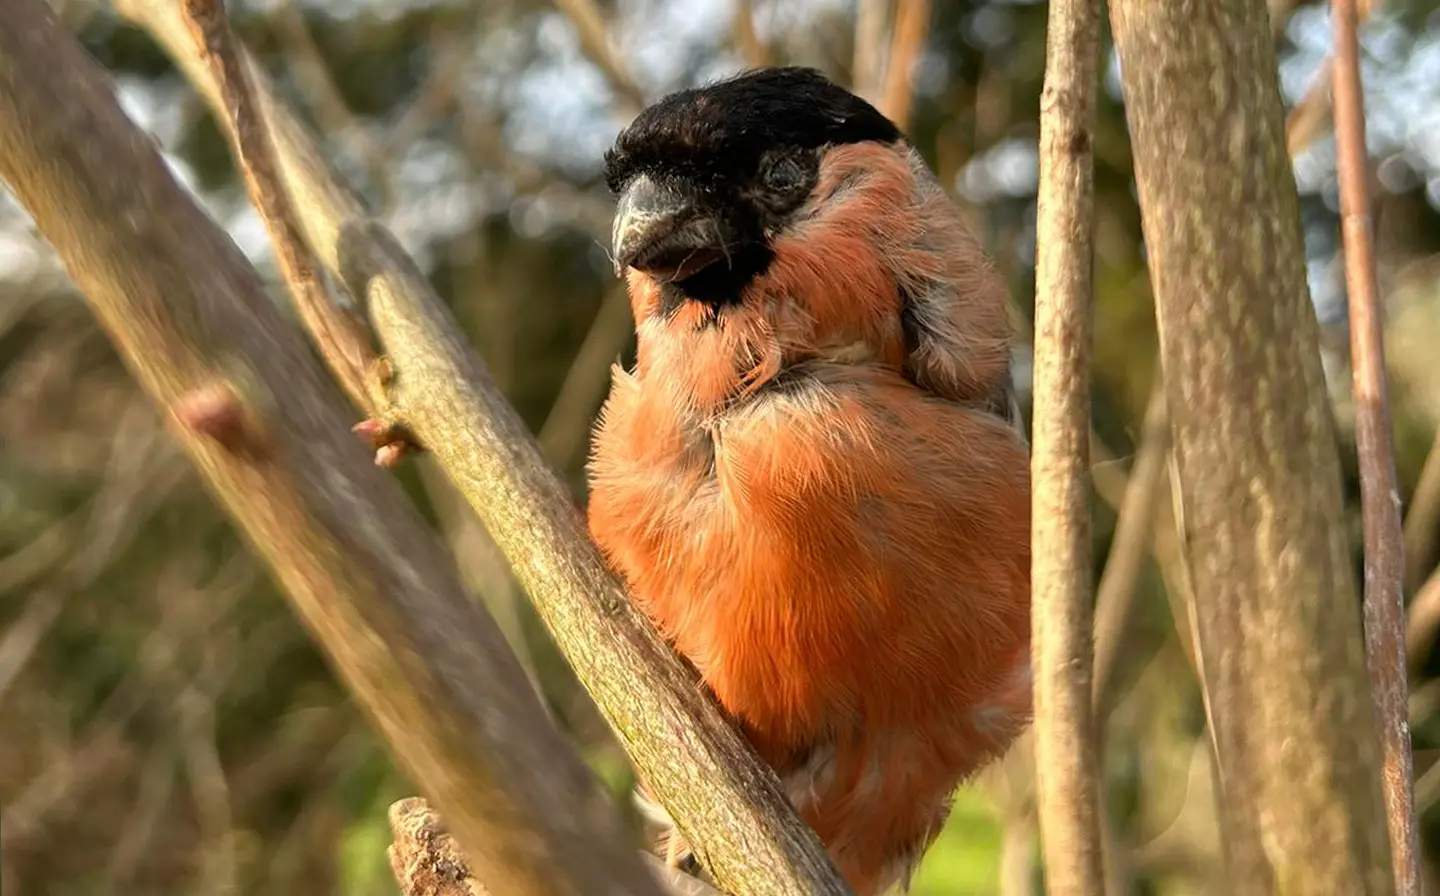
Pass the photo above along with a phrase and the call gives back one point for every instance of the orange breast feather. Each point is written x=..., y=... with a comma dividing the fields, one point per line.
x=845, y=549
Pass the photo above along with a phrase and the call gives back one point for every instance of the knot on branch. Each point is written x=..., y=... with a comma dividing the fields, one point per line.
x=424, y=857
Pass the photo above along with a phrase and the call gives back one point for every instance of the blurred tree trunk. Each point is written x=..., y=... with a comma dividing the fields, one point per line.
x=1277, y=610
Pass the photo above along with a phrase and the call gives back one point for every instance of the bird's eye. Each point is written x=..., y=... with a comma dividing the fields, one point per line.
x=783, y=175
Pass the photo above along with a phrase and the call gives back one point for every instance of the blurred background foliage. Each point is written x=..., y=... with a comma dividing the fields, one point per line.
x=167, y=727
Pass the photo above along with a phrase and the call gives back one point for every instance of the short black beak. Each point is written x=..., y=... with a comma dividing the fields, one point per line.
x=658, y=229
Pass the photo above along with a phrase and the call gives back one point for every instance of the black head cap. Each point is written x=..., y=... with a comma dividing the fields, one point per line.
x=713, y=133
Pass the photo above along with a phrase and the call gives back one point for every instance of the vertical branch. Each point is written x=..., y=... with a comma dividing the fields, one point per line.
x=743, y=35
x=868, y=60
x=1062, y=612
x=1379, y=492
x=1135, y=521
x=1256, y=473
x=907, y=42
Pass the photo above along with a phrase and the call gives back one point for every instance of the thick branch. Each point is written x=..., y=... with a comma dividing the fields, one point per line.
x=727, y=804
x=267, y=431
x=1066, y=764
x=1258, y=475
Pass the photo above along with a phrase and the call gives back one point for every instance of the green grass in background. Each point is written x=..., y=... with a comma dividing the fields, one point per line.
x=965, y=860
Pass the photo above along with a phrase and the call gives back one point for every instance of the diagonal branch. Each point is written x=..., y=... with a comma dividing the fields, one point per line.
x=1421, y=522
x=594, y=36
x=1066, y=754
x=1134, y=525
x=341, y=337
x=1384, y=597
x=726, y=803
x=267, y=431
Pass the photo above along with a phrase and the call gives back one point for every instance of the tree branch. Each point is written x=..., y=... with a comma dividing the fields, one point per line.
x=1135, y=521
x=907, y=42
x=867, y=64
x=743, y=35
x=426, y=861
x=1258, y=478
x=1421, y=522
x=1062, y=612
x=566, y=429
x=1379, y=490
x=594, y=36
x=267, y=432
x=726, y=803
x=340, y=336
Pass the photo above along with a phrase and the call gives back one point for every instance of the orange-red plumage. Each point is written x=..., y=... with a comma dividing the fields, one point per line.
x=808, y=491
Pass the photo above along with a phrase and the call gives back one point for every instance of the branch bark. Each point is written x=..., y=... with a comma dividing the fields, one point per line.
x=726, y=803
x=1062, y=610
x=426, y=861
x=910, y=31
x=1258, y=473
x=267, y=431
x=1379, y=490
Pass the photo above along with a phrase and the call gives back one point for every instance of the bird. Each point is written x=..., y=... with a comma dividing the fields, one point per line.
x=814, y=479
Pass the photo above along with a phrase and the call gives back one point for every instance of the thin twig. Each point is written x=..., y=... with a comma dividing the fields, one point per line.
x=1421, y=522
x=325, y=97
x=1422, y=622
x=868, y=65
x=1066, y=760
x=448, y=56
x=1280, y=12
x=907, y=42
x=594, y=36
x=141, y=824
x=742, y=32
x=342, y=338
x=1014, y=793
x=1379, y=490
x=567, y=426
x=1115, y=597
x=1310, y=116
x=1165, y=542
x=1311, y=113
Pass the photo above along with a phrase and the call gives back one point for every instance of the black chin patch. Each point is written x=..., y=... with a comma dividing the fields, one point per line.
x=734, y=148
x=719, y=284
